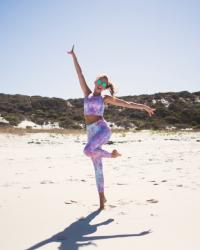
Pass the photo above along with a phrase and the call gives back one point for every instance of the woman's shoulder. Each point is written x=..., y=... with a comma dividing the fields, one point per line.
x=87, y=96
x=106, y=98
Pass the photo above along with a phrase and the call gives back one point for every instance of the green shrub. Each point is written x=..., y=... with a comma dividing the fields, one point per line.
x=13, y=119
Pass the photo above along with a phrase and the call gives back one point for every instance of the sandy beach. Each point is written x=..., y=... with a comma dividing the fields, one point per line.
x=49, y=198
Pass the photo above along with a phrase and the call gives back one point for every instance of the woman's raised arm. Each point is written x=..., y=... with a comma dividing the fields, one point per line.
x=84, y=86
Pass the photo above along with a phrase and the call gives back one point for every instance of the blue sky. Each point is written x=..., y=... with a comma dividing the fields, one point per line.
x=144, y=46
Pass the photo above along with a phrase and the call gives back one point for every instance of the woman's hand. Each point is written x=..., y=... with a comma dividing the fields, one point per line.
x=71, y=52
x=149, y=110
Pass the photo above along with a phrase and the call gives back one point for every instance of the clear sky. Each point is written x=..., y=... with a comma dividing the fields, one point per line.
x=144, y=46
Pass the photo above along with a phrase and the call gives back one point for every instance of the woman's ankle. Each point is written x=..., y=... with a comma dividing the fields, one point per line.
x=102, y=200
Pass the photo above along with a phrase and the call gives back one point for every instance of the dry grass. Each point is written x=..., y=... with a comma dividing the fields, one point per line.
x=23, y=131
x=173, y=132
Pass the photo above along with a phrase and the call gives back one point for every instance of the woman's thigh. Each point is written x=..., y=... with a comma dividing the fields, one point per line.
x=98, y=134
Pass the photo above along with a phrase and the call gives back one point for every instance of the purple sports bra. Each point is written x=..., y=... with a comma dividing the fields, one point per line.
x=93, y=105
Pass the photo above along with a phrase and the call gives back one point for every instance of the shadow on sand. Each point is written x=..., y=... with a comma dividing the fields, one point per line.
x=73, y=236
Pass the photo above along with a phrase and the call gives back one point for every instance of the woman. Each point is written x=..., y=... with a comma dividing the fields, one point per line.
x=97, y=129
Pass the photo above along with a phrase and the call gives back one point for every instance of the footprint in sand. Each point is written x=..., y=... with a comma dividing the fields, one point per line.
x=47, y=182
x=153, y=215
x=121, y=184
x=180, y=185
x=70, y=202
x=122, y=213
x=18, y=173
x=95, y=205
x=122, y=203
x=27, y=187
x=154, y=183
x=152, y=201
x=112, y=206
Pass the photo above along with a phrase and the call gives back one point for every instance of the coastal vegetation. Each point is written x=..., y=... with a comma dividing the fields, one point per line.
x=178, y=110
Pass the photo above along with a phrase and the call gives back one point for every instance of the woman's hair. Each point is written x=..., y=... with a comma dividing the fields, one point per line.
x=110, y=86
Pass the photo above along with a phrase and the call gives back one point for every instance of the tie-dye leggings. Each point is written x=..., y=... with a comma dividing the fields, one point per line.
x=98, y=134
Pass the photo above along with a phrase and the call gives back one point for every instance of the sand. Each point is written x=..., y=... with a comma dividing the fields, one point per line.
x=49, y=198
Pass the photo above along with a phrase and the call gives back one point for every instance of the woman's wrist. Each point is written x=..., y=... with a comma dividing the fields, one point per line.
x=73, y=55
x=144, y=107
x=141, y=106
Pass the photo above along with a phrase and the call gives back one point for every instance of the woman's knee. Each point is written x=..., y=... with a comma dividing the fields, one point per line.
x=87, y=151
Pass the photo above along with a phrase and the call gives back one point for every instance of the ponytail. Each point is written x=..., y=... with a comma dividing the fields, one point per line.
x=111, y=89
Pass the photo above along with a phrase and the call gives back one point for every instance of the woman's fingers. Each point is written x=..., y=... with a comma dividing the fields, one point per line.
x=150, y=111
x=71, y=51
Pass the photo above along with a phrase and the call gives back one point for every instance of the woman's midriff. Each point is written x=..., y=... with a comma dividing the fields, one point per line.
x=89, y=119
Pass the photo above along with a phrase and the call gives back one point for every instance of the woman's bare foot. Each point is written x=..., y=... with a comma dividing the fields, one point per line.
x=102, y=200
x=115, y=153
